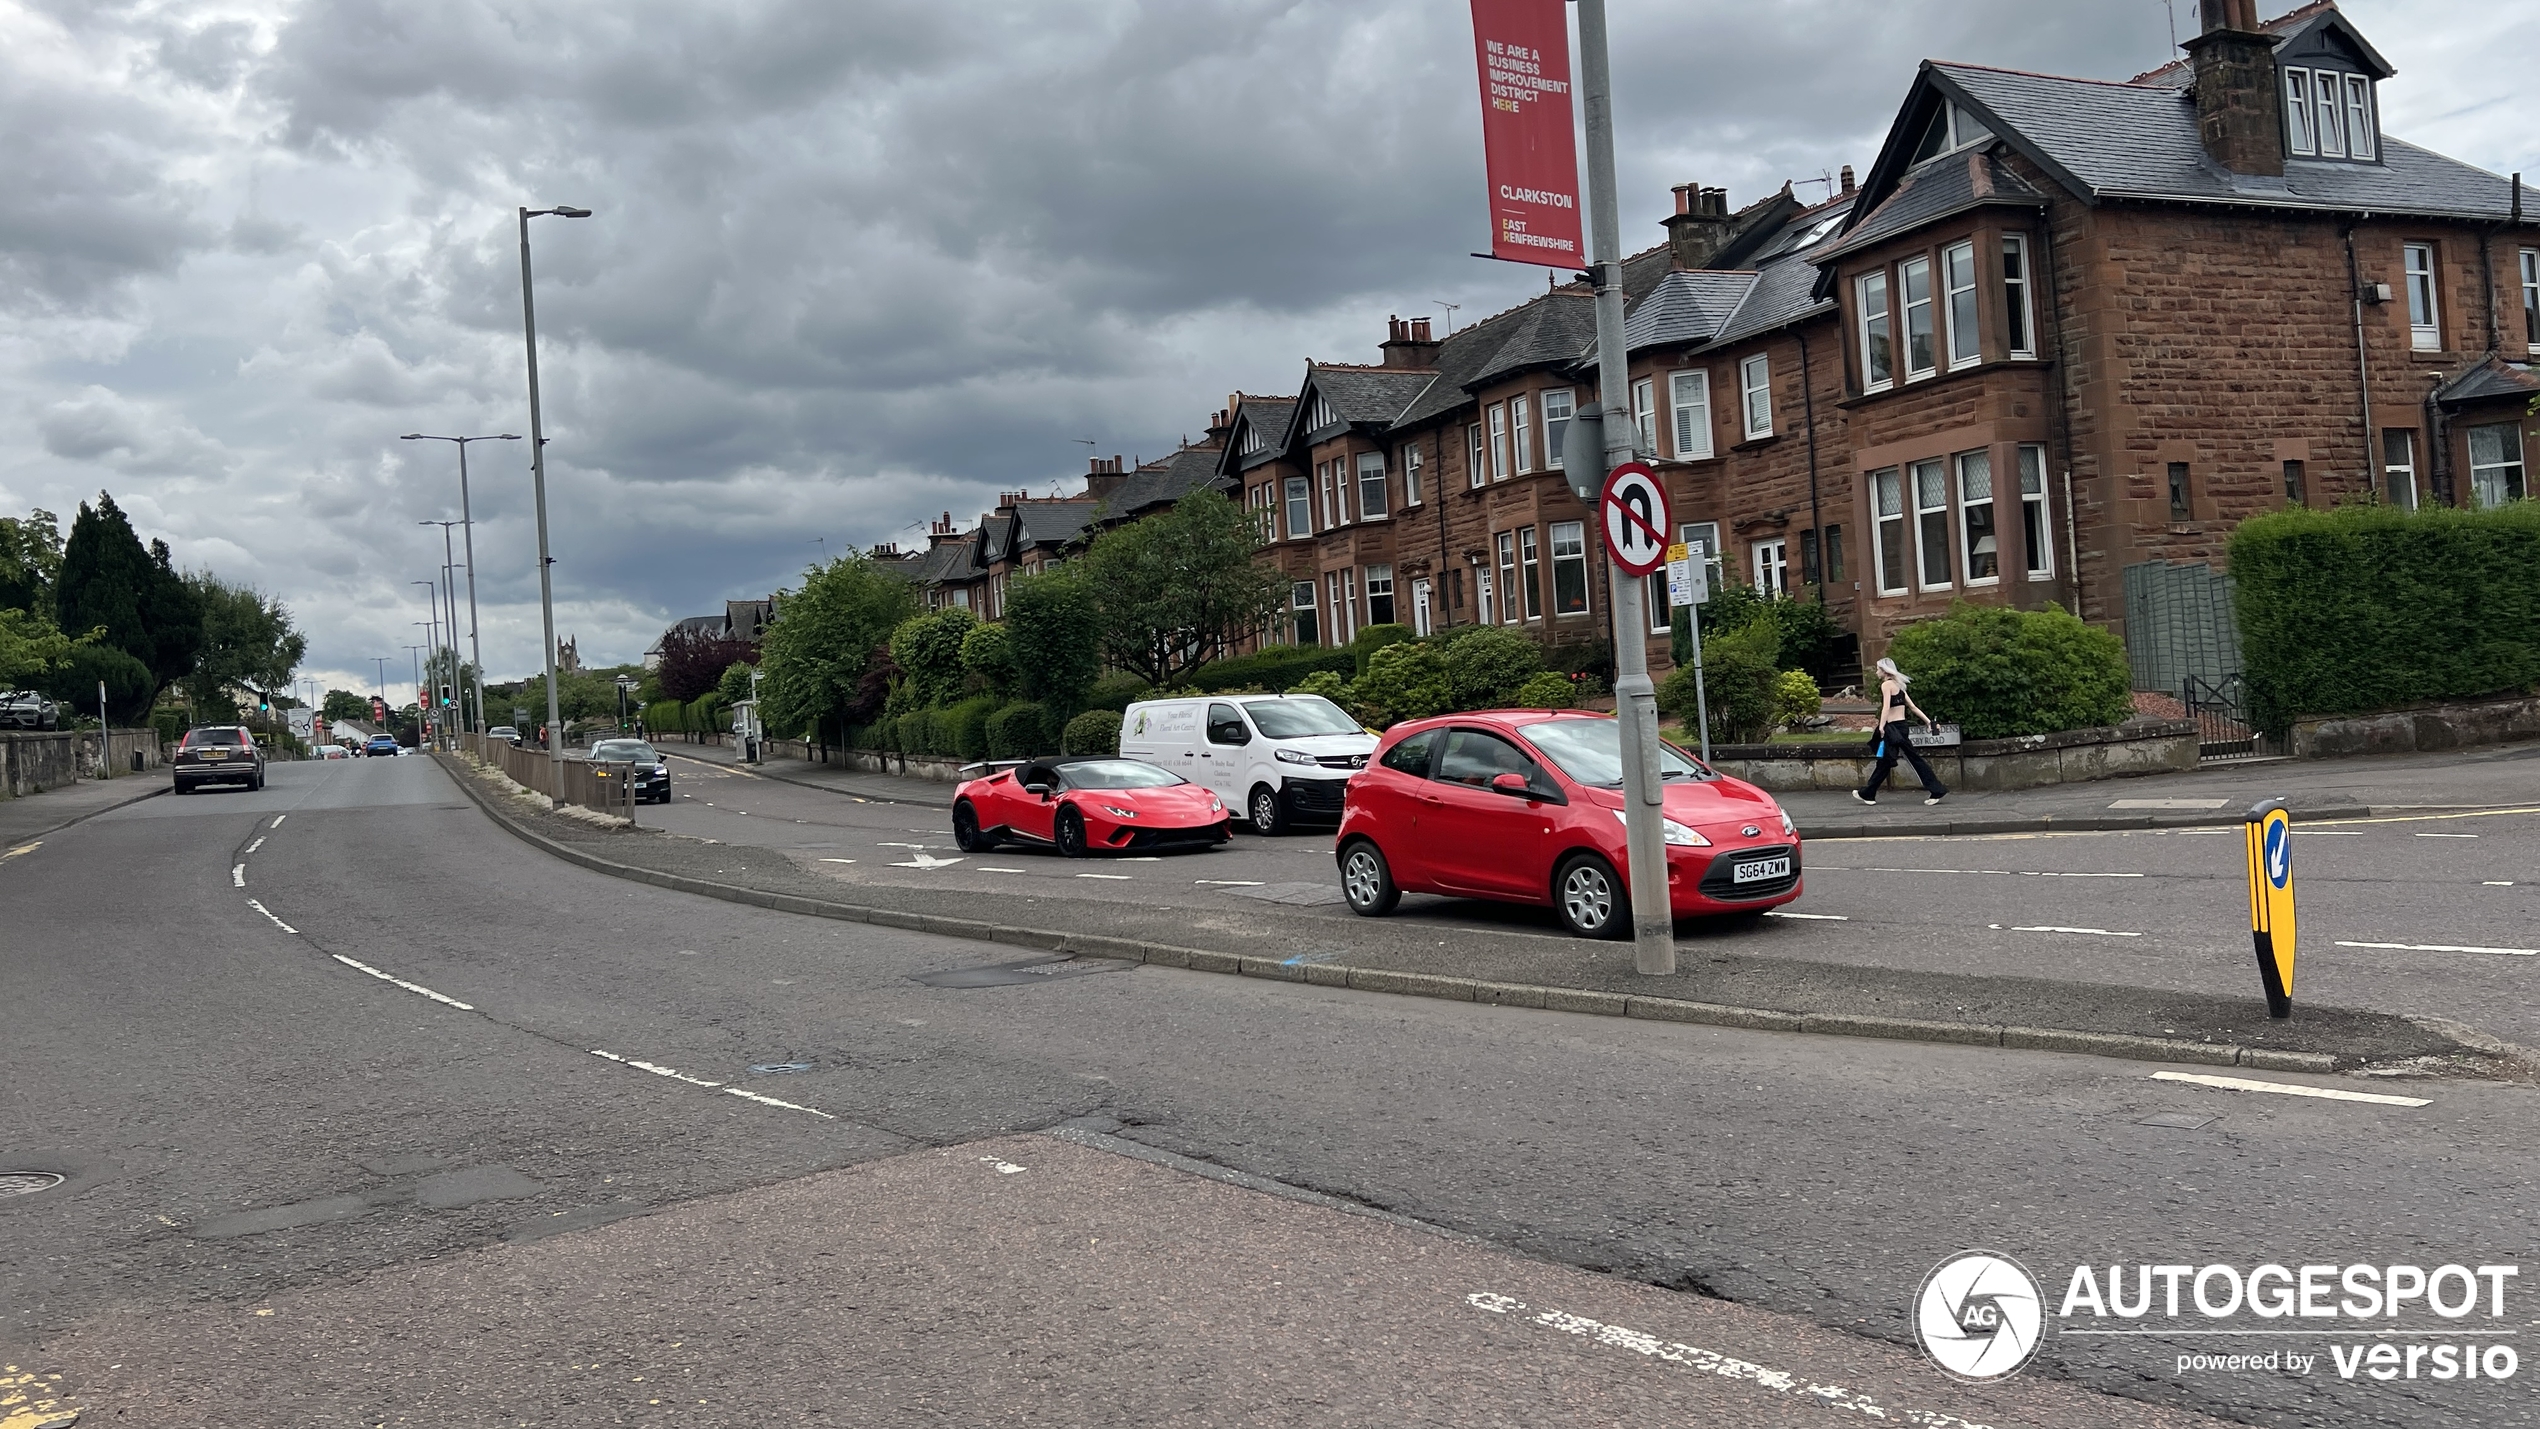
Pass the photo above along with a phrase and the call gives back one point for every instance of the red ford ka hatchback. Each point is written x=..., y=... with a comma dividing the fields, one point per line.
x=1090, y=805
x=1526, y=806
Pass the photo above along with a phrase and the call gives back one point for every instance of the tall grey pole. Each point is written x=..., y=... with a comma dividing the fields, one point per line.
x=475, y=650
x=538, y=485
x=1635, y=698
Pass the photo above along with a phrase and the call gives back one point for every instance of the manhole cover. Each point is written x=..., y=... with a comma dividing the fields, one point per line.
x=27, y=1183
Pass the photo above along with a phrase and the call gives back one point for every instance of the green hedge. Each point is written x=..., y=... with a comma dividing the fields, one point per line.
x=1372, y=638
x=2368, y=607
x=1019, y=731
x=1277, y=668
x=1093, y=732
x=1997, y=672
x=666, y=717
x=1117, y=691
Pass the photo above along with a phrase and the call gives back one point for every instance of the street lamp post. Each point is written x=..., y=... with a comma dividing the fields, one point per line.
x=430, y=627
x=467, y=523
x=538, y=486
x=412, y=652
x=450, y=602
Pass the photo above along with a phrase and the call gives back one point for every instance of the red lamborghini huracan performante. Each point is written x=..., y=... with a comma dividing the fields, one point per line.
x=1087, y=806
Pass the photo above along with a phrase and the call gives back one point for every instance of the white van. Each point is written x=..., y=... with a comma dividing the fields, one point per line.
x=1279, y=758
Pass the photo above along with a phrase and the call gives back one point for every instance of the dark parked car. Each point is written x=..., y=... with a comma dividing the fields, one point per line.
x=26, y=709
x=218, y=754
x=644, y=766
x=383, y=746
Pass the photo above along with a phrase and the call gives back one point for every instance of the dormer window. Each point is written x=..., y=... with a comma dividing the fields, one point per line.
x=2328, y=114
x=1952, y=129
x=1322, y=413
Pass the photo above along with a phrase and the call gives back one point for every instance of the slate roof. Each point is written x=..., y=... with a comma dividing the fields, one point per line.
x=1266, y=415
x=2288, y=29
x=947, y=561
x=1686, y=306
x=1786, y=289
x=1162, y=483
x=2488, y=378
x=1371, y=396
x=2107, y=140
x=1050, y=523
x=1934, y=190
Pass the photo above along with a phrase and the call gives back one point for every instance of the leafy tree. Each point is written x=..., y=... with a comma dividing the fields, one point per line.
x=30, y=561
x=248, y=642
x=344, y=704
x=928, y=649
x=1178, y=589
x=1057, y=638
x=109, y=580
x=735, y=684
x=692, y=664
x=987, y=657
x=130, y=687
x=814, y=658
x=30, y=648
x=1404, y=681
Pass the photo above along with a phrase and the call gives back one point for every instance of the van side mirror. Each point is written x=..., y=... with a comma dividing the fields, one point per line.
x=1513, y=785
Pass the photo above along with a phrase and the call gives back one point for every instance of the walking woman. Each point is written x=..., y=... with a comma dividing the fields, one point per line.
x=1894, y=705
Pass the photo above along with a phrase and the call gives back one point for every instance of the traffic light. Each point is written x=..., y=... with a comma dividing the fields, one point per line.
x=264, y=704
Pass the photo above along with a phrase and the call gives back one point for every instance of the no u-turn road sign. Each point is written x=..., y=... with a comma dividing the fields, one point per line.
x=1634, y=511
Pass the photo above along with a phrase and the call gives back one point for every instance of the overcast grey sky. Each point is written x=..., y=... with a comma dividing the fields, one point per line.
x=855, y=261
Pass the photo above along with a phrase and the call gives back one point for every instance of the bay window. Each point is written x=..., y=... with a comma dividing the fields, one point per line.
x=1530, y=571
x=1521, y=430
x=1473, y=455
x=1690, y=418
x=2036, y=531
x=1371, y=486
x=1887, y=531
x=2495, y=464
x=1878, y=350
x=1979, y=550
x=1644, y=419
x=1931, y=523
x=1921, y=357
x=2018, y=326
x=1556, y=424
x=1300, y=508
x=1506, y=542
x=1958, y=270
x=1499, y=441
x=1569, y=568
x=1301, y=610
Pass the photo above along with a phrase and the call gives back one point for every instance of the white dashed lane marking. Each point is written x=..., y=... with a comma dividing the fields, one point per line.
x=1121, y=877
x=21, y=851
x=277, y=821
x=277, y=922
x=1812, y=917
x=2289, y=1089
x=414, y=987
x=238, y=875
x=2442, y=948
x=674, y=1074
x=2051, y=928
x=259, y=843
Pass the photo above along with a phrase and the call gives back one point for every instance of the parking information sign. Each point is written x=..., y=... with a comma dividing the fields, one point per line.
x=2271, y=901
x=1688, y=574
x=1635, y=515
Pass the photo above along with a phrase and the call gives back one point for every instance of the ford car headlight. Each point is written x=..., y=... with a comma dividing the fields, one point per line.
x=1674, y=833
x=1789, y=829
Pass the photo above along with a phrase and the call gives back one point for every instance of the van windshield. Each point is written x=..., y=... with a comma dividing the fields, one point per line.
x=1300, y=717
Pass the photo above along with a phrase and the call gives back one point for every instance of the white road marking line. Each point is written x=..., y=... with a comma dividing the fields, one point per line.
x=837, y=860
x=1121, y=877
x=259, y=843
x=277, y=821
x=21, y=850
x=2051, y=928
x=1812, y=917
x=2443, y=948
x=2445, y=836
x=238, y=875
x=2290, y=1089
x=1227, y=883
x=1994, y=872
x=1138, y=858
x=2498, y=883
x=2169, y=803
x=1713, y=1362
x=656, y=1069
x=413, y=987
x=771, y=1101
x=927, y=861
x=1004, y=1168
x=259, y=907
x=983, y=868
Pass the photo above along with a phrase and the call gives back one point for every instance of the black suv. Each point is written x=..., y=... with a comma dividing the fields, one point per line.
x=218, y=754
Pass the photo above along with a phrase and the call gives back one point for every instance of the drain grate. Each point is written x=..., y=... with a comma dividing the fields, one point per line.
x=27, y=1183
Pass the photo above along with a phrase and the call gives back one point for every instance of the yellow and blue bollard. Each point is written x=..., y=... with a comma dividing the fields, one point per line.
x=2270, y=828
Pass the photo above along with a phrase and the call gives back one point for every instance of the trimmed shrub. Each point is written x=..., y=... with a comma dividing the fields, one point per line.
x=1019, y=731
x=709, y=714
x=169, y=725
x=666, y=717
x=928, y=648
x=963, y=727
x=1327, y=683
x=1795, y=698
x=1117, y=691
x=1093, y=732
x=1739, y=678
x=1997, y=672
x=988, y=659
x=1276, y=668
x=1403, y=681
x=2370, y=607
x=1487, y=667
x=916, y=733
x=1372, y=638
x=1550, y=690
x=1591, y=658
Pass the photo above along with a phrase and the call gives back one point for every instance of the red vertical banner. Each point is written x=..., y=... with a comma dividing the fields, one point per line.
x=1529, y=137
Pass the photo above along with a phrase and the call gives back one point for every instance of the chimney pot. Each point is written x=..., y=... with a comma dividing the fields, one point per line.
x=1847, y=178
x=1695, y=229
x=2240, y=15
x=2239, y=102
x=1420, y=330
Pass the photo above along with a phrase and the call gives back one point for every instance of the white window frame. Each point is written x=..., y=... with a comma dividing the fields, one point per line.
x=1888, y=483
x=1708, y=533
x=1771, y=563
x=1925, y=544
x=1299, y=495
x=1967, y=467
x=1521, y=433
x=2297, y=113
x=2037, y=518
x=1504, y=546
x=1569, y=552
x=1662, y=616
x=2509, y=488
x=1301, y=598
x=2425, y=297
x=2328, y=93
x=1958, y=261
x=2018, y=312
x=1755, y=395
x=1485, y=606
x=1530, y=571
x=1473, y=454
x=1870, y=293
x=1914, y=312
x=1499, y=441
x=2363, y=135
x=1556, y=423
x=1645, y=417
x=1371, y=471
x=2530, y=269
x=1423, y=616
x=1334, y=635
x=1411, y=474
x=1689, y=413
x=1380, y=572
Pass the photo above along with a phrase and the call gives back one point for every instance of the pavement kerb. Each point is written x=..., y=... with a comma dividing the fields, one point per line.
x=1455, y=989
x=83, y=818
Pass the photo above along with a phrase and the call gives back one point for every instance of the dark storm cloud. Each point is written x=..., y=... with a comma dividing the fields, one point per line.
x=853, y=265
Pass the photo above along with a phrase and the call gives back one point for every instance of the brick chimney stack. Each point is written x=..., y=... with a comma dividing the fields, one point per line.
x=1848, y=185
x=1104, y=477
x=1698, y=226
x=942, y=528
x=2239, y=103
x=1408, y=344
